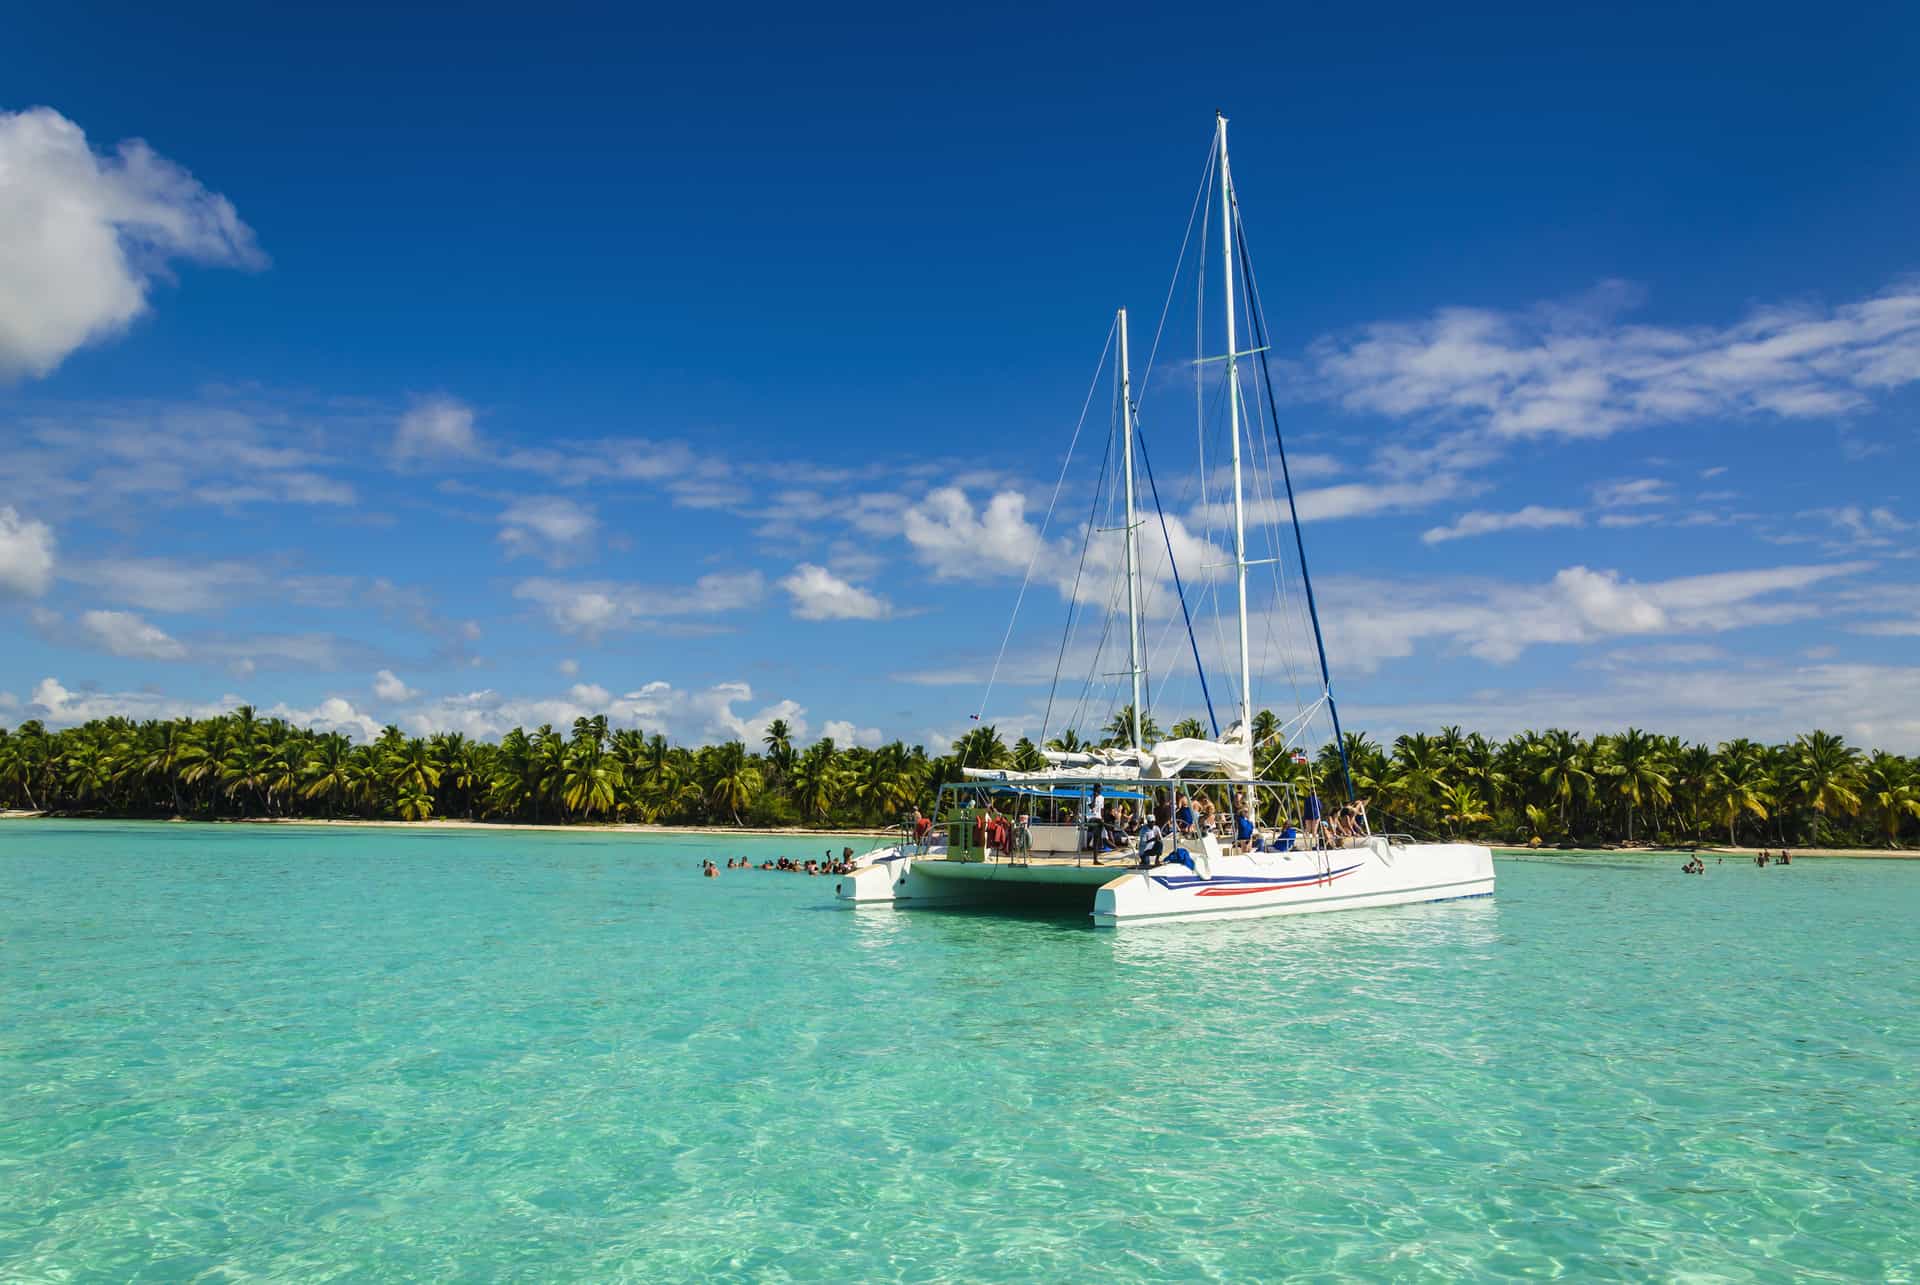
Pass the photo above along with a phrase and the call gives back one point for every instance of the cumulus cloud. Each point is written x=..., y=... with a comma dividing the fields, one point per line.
x=388, y=687
x=599, y=606
x=26, y=554
x=680, y=714
x=83, y=236
x=59, y=706
x=844, y=733
x=437, y=428
x=1497, y=622
x=333, y=714
x=1579, y=371
x=125, y=634
x=958, y=542
x=1533, y=517
x=548, y=526
x=818, y=594
x=1872, y=705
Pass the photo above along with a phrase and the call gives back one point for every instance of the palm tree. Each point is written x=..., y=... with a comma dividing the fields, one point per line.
x=1561, y=767
x=329, y=771
x=817, y=780
x=1891, y=791
x=735, y=782
x=1461, y=807
x=1068, y=742
x=1265, y=727
x=1824, y=774
x=1194, y=728
x=589, y=780
x=1120, y=730
x=779, y=743
x=982, y=747
x=1738, y=785
x=1027, y=756
x=1637, y=773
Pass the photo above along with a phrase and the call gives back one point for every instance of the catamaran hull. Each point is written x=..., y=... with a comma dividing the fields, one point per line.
x=1256, y=885
x=1249, y=886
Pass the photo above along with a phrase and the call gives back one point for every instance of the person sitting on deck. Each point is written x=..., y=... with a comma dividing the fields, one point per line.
x=1153, y=843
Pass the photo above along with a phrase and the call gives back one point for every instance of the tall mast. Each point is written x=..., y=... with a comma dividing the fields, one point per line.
x=1233, y=413
x=1124, y=392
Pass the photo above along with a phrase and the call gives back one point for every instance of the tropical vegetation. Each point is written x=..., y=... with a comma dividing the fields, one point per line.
x=1554, y=787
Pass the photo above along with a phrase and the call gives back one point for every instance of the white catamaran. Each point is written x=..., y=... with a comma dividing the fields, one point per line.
x=1001, y=836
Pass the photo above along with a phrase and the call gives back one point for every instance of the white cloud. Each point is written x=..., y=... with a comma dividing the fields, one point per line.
x=818, y=594
x=1577, y=371
x=548, y=526
x=26, y=554
x=331, y=715
x=681, y=715
x=1863, y=528
x=1708, y=474
x=595, y=607
x=125, y=634
x=1533, y=517
x=569, y=667
x=220, y=450
x=161, y=584
x=958, y=543
x=59, y=706
x=437, y=428
x=1871, y=705
x=1628, y=492
x=1497, y=622
x=844, y=733
x=388, y=687
x=82, y=236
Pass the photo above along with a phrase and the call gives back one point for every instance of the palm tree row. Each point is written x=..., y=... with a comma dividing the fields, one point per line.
x=240, y=765
x=1554, y=786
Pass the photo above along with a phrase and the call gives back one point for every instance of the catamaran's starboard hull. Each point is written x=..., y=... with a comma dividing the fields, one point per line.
x=1248, y=886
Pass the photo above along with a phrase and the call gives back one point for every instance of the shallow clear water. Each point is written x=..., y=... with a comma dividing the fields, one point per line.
x=300, y=1052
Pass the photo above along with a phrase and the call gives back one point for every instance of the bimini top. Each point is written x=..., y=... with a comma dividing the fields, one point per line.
x=1231, y=756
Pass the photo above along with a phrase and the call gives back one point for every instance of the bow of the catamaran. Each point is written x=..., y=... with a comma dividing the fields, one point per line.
x=1376, y=872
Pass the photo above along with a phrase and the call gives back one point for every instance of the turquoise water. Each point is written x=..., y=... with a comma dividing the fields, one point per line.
x=306, y=1053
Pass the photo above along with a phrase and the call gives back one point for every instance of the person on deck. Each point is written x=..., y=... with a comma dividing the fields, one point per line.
x=1243, y=829
x=1153, y=840
x=1311, y=822
x=1183, y=814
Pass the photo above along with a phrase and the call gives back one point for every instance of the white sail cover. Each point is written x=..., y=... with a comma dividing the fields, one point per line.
x=1231, y=756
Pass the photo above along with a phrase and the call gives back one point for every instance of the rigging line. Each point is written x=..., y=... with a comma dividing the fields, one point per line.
x=1086, y=542
x=1141, y=440
x=1263, y=472
x=1041, y=542
x=1261, y=343
x=1199, y=203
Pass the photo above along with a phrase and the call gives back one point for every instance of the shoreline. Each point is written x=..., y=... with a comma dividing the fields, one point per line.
x=459, y=823
x=636, y=827
x=1870, y=854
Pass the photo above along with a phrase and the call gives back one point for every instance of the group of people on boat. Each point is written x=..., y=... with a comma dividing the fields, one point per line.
x=1110, y=827
x=826, y=865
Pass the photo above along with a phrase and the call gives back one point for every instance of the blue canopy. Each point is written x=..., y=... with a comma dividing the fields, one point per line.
x=1052, y=792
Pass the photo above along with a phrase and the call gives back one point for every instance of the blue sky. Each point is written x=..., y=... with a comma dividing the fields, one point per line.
x=459, y=369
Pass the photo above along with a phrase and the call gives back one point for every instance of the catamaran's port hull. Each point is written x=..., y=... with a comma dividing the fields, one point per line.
x=1248, y=886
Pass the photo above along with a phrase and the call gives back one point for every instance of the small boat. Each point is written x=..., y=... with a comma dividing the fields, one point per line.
x=1046, y=835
